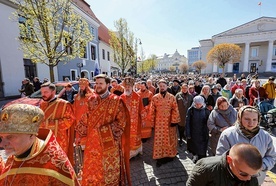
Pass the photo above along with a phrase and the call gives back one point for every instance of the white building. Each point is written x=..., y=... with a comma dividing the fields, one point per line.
x=164, y=63
x=13, y=68
x=257, y=41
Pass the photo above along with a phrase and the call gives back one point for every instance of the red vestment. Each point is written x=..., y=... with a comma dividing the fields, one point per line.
x=104, y=153
x=164, y=111
x=134, y=106
x=46, y=165
x=59, y=117
x=145, y=116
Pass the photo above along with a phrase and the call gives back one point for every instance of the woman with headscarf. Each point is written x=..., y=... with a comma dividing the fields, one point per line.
x=208, y=99
x=247, y=130
x=196, y=128
x=222, y=117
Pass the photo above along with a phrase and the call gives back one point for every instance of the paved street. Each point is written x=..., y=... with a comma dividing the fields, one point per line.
x=144, y=171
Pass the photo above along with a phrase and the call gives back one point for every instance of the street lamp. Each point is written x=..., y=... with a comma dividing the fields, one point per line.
x=80, y=65
x=140, y=43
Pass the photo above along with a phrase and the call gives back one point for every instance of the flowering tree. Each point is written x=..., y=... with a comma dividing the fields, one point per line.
x=51, y=31
x=224, y=53
x=199, y=65
x=123, y=45
x=183, y=67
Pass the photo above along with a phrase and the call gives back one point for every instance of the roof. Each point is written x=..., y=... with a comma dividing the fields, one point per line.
x=102, y=30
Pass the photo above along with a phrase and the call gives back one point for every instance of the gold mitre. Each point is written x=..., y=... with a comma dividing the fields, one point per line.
x=128, y=81
x=83, y=81
x=21, y=119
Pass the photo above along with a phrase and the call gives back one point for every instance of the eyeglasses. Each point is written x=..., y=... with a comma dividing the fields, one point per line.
x=244, y=174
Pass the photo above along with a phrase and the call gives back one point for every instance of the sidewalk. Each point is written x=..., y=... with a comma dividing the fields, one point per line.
x=144, y=171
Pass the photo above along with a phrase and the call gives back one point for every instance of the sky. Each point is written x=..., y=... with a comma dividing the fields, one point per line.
x=164, y=26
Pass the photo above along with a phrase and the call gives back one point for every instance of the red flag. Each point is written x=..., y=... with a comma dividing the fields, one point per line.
x=260, y=3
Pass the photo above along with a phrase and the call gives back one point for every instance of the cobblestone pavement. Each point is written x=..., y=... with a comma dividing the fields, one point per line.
x=144, y=171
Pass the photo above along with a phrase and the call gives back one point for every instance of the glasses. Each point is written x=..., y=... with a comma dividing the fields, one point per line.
x=244, y=174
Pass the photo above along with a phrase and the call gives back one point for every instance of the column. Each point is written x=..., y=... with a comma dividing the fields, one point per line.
x=246, y=57
x=215, y=68
x=229, y=67
x=269, y=56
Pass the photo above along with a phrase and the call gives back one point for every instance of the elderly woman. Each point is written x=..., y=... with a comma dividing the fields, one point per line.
x=247, y=130
x=222, y=117
x=238, y=100
x=196, y=128
x=208, y=99
x=226, y=92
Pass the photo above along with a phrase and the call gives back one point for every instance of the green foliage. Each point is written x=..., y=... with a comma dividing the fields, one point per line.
x=123, y=45
x=51, y=31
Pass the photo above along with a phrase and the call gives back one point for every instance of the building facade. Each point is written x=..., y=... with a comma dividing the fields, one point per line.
x=257, y=41
x=194, y=54
x=170, y=62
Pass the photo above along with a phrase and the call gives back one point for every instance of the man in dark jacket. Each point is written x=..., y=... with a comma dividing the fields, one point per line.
x=238, y=166
x=221, y=80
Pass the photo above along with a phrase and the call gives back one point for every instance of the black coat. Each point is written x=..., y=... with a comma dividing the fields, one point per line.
x=197, y=130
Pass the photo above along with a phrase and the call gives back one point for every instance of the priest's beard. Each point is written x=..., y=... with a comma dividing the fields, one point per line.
x=9, y=153
x=83, y=93
x=128, y=92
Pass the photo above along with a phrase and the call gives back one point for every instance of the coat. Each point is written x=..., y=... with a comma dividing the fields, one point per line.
x=184, y=101
x=197, y=130
x=217, y=120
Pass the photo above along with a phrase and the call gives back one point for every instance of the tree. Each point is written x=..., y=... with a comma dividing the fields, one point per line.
x=199, y=65
x=148, y=64
x=51, y=32
x=123, y=46
x=224, y=53
x=172, y=68
x=183, y=68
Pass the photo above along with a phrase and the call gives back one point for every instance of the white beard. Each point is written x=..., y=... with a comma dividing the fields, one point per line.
x=128, y=93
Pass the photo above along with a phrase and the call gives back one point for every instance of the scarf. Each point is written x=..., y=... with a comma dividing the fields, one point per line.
x=248, y=133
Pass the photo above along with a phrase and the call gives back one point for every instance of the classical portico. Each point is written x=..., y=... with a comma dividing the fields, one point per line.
x=257, y=41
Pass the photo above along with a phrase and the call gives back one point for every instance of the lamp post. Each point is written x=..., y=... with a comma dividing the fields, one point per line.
x=140, y=43
x=80, y=65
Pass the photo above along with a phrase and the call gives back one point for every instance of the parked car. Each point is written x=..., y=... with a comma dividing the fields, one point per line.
x=36, y=97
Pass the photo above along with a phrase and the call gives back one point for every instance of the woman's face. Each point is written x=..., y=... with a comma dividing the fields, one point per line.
x=249, y=119
x=223, y=106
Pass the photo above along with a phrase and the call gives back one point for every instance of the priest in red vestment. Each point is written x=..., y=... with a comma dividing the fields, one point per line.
x=34, y=157
x=134, y=105
x=59, y=117
x=146, y=97
x=165, y=116
x=106, y=153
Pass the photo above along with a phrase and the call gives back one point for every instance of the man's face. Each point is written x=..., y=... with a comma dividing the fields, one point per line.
x=16, y=144
x=101, y=86
x=143, y=87
x=184, y=89
x=149, y=83
x=163, y=87
x=128, y=90
x=114, y=84
x=240, y=169
x=47, y=93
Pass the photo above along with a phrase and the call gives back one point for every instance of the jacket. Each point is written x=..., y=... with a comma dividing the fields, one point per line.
x=270, y=89
x=262, y=140
x=215, y=171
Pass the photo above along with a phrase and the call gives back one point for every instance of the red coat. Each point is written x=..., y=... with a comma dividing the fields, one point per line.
x=255, y=93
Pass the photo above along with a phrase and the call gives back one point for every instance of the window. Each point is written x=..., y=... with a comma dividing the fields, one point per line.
x=68, y=45
x=73, y=75
x=83, y=52
x=108, y=56
x=103, y=53
x=93, y=52
x=274, y=51
x=92, y=30
x=273, y=66
x=254, y=51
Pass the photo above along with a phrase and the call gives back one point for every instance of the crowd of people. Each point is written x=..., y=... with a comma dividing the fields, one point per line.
x=109, y=122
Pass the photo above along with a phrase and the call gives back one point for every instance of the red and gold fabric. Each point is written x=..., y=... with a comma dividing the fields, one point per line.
x=46, y=165
x=164, y=111
x=146, y=129
x=80, y=107
x=59, y=117
x=104, y=162
x=134, y=106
